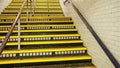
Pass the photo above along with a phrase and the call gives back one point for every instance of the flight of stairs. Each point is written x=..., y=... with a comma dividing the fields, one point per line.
x=48, y=38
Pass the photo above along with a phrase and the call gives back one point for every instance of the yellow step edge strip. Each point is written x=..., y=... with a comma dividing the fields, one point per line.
x=25, y=14
x=37, y=8
x=36, y=36
x=37, y=21
x=43, y=50
x=32, y=16
x=46, y=1
x=48, y=59
x=38, y=25
x=37, y=17
x=42, y=10
x=43, y=42
x=41, y=30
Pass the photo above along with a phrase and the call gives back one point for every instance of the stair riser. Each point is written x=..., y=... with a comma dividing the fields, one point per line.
x=42, y=23
x=41, y=33
x=44, y=46
x=39, y=12
x=43, y=39
x=24, y=15
x=42, y=54
x=60, y=64
x=38, y=27
x=36, y=9
x=37, y=19
x=36, y=4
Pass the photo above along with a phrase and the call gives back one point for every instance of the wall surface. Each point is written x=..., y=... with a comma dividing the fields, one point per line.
x=3, y=4
x=104, y=17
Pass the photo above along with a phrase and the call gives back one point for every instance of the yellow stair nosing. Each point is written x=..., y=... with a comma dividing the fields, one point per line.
x=38, y=25
x=43, y=50
x=44, y=42
x=37, y=21
x=37, y=17
x=41, y=30
x=49, y=59
x=35, y=36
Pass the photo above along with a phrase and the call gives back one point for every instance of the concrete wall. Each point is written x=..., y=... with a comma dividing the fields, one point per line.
x=3, y=4
x=104, y=17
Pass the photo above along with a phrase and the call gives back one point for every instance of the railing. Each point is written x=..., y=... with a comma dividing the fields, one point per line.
x=98, y=39
x=66, y=1
x=17, y=19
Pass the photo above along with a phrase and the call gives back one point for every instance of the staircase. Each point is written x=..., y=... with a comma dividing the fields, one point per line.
x=48, y=38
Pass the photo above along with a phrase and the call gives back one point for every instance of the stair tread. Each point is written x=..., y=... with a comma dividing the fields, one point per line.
x=37, y=25
x=44, y=42
x=39, y=17
x=38, y=22
x=33, y=36
x=44, y=50
x=50, y=30
x=67, y=65
x=46, y=59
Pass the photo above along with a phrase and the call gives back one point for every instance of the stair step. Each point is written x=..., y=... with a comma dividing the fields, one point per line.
x=45, y=42
x=46, y=18
x=43, y=52
x=80, y=48
x=38, y=22
x=42, y=37
x=60, y=65
x=24, y=15
x=41, y=32
x=56, y=30
x=36, y=9
x=36, y=12
x=36, y=6
x=41, y=17
x=39, y=27
x=55, y=36
x=46, y=59
x=37, y=1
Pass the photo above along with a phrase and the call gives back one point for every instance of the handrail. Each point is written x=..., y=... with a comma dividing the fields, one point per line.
x=12, y=27
x=98, y=39
x=66, y=1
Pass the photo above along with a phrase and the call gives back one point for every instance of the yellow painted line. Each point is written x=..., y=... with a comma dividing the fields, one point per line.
x=44, y=42
x=15, y=11
x=36, y=36
x=39, y=25
x=41, y=17
x=25, y=14
x=48, y=59
x=43, y=50
x=57, y=30
x=39, y=21
x=32, y=16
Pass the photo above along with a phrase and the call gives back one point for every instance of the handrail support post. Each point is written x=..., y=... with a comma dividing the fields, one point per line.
x=27, y=11
x=19, y=39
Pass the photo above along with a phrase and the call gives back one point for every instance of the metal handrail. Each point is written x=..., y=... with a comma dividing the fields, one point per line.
x=12, y=27
x=98, y=39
